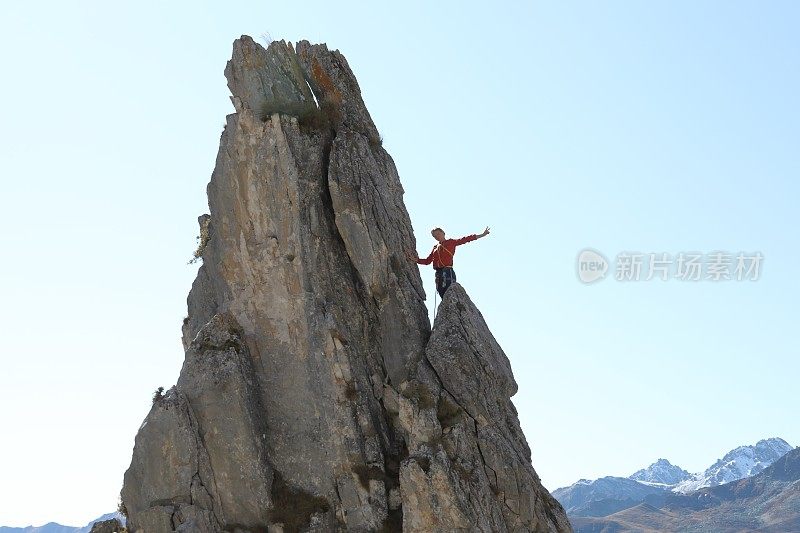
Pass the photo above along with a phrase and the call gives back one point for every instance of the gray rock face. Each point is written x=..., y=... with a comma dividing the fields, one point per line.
x=314, y=396
x=469, y=464
x=107, y=526
x=267, y=81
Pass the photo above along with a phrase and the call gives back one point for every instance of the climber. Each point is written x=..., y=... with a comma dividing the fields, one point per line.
x=442, y=257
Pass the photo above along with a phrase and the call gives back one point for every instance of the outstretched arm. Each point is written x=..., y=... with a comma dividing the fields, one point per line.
x=472, y=237
x=413, y=257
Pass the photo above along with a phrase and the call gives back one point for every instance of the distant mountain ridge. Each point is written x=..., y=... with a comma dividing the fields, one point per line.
x=602, y=496
x=662, y=473
x=53, y=527
x=739, y=463
x=611, y=494
x=768, y=502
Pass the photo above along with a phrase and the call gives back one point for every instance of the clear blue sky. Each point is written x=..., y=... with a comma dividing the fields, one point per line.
x=663, y=127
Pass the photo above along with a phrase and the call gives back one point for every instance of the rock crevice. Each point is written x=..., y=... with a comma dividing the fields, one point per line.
x=314, y=395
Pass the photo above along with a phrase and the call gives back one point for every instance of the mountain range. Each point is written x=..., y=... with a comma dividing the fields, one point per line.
x=611, y=493
x=739, y=463
x=751, y=488
x=768, y=502
x=53, y=527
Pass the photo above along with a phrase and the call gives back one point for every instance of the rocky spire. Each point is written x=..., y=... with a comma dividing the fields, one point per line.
x=314, y=395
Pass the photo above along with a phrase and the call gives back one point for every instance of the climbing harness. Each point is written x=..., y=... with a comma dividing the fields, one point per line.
x=439, y=253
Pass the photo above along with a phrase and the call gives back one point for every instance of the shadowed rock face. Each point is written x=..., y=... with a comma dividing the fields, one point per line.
x=314, y=396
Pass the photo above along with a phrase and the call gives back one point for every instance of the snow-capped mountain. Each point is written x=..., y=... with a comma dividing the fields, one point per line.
x=610, y=494
x=739, y=463
x=662, y=473
x=767, y=501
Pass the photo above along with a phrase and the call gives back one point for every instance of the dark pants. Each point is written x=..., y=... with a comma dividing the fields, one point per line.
x=444, y=277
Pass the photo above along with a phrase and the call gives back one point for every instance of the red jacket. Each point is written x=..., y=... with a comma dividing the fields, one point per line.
x=443, y=252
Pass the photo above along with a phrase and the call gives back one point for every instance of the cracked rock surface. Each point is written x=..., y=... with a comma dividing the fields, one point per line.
x=314, y=395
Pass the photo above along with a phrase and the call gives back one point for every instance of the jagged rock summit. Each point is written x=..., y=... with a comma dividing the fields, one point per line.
x=314, y=395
